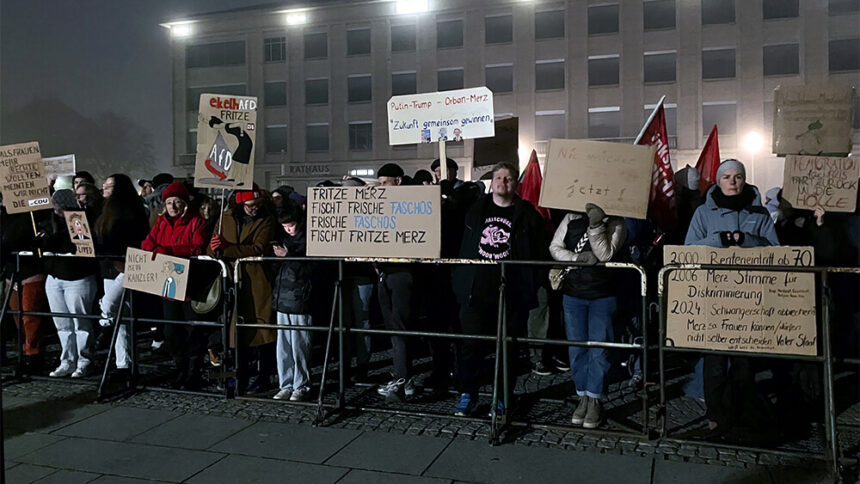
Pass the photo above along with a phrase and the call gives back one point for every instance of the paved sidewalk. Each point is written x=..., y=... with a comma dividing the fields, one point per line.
x=54, y=433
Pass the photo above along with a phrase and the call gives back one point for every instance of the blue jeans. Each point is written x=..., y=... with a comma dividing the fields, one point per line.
x=589, y=320
x=293, y=351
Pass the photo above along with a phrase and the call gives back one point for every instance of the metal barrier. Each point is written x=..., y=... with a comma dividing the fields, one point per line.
x=827, y=358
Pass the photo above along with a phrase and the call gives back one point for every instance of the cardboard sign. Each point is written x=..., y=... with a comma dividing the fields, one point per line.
x=441, y=116
x=374, y=221
x=22, y=178
x=165, y=276
x=614, y=176
x=80, y=233
x=59, y=165
x=226, y=133
x=810, y=181
x=742, y=310
x=813, y=119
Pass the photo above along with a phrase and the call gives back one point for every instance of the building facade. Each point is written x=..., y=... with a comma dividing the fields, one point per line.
x=569, y=69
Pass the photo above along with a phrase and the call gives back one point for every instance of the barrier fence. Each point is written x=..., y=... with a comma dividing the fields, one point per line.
x=231, y=286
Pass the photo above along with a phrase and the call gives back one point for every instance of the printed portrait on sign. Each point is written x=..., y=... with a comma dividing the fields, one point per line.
x=80, y=233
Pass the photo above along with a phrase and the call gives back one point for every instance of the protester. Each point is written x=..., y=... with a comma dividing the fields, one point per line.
x=82, y=177
x=145, y=186
x=210, y=210
x=281, y=195
x=589, y=302
x=733, y=215
x=499, y=226
x=180, y=232
x=88, y=197
x=423, y=177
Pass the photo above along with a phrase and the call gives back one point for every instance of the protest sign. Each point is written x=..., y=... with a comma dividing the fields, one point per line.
x=80, y=233
x=226, y=133
x=165, y=275
x=373, y=221
x=741, y=310
x=812, y=119
x=22, y=178
x=56, y=166
x=810, y=181
x=614, y=176
x=441, y=116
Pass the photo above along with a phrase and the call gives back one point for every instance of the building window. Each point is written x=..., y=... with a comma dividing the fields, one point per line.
x=658, y=14
x=603, y=19
x=499, y=78
x=217, y=54
x=844, y=55
x=449, y=34
x=275, y=93
x=659, y=67
x=358, y=42
x=193, y=93
x=549, y=25
x=604, y=122
x=276, y=138
x=856, y=112
x=449, y=79
x=402, y=38
x=781, y=60
x=361, y=136
x=771, y=9
x=671, y=111
x=404, y=83
x=275, y=49
x=718, y=12
x=840, y=7
x=549, y=75
x=316, y=46
x=191, y=141
x=358, y=88
x=498, y=29
x=603, y=70
x=316, y=137
x=316, y=91
x=718, y=64
x=724, y=115
x=550, y=125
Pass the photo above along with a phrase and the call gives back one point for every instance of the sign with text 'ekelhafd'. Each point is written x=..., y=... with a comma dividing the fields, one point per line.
x=226, y=133
x=22, y=178
x=812, y=181
x=158, y=274
x=441, y=116
x=373, y=221
x=614, y=176
x=740, y=309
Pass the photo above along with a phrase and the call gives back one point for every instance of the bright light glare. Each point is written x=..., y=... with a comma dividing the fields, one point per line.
x=182, y=30
x=753, y=142
x=297, y=18
x=412, y=6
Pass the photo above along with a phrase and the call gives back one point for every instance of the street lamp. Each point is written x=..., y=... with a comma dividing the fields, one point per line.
x=412, y=6
x=752, y=143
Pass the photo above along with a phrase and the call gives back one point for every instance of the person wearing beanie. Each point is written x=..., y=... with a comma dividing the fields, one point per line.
x=247, y=229
x=452, y=166
x=423, y=177
x=390, y=174
x=733, y=215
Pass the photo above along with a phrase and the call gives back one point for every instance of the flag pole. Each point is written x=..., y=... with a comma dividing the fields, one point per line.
x=443, y=161
x=650, y=118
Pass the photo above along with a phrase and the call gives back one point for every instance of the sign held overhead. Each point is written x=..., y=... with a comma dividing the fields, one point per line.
x=441, y=116
x=226, y=133
x=22, y=178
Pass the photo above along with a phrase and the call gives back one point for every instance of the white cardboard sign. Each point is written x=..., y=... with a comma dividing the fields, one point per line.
x=441, y=116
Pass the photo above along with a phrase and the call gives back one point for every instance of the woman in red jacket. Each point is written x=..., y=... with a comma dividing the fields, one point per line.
x=180, y=232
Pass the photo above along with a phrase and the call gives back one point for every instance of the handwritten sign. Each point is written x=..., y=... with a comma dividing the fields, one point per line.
x=226, y=133
x=441, y=116
x=813, y=119
x=742, y=310
x=56, y=166
x=22, y=178
x=165, y=275
x=614, y=176
x=80, y=233
x=374, y=221
x=811, y=181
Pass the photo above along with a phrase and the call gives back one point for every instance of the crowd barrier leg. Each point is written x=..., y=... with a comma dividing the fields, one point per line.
x=132, y=343
x=645, y=327
x=661, y=409
x=341, y=398
x=830, y=417
x=117, y=320
x=500, y=361
x=320, y=412
x=19, y=366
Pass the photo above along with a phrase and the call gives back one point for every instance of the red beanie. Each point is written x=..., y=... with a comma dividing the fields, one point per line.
x=175, y=189
x=245, y=195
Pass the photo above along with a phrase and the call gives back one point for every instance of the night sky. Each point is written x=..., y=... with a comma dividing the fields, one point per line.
x=93, y=77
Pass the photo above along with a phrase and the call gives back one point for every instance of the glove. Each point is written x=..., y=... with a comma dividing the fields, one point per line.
x=587, y=258
x=726, y=239
x=216, y=243
x=595, y=214
x=738, y=237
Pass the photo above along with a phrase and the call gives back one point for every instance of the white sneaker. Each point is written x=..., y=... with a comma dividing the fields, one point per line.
x=157, y=344
x=284, y=394
x=408, y=387
x=300, y=394
x=80, y=372
x=62, y=371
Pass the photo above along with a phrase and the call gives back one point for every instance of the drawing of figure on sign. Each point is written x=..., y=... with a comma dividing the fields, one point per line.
x=169, y=288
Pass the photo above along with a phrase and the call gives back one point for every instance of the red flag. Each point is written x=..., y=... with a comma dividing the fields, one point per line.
x=661, y=202
x=708, y=162
x=529, y=187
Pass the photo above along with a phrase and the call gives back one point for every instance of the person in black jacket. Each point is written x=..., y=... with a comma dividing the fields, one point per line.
x=499, y=226
x=291, y=295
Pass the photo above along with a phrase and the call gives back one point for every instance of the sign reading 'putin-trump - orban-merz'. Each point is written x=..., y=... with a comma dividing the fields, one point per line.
x=226, y=133
x=441, y=116
x=22, y=178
